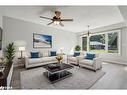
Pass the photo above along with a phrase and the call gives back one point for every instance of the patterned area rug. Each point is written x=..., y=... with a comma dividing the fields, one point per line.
x=81, y=79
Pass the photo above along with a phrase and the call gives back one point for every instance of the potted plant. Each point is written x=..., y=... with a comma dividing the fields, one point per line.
x=10, y=53
x=77, y=48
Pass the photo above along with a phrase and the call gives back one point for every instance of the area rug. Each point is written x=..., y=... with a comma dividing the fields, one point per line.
x=81, y=79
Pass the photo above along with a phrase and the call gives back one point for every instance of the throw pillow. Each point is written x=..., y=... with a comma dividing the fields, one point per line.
x=34, y=54
x=46, y=54
x=90, y=56
x=76, y=54
x=52, y=53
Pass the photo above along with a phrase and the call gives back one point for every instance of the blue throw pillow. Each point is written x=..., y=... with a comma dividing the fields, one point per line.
x=76, y=54
x=34, y=54
x=90, y=56
x=53, y=53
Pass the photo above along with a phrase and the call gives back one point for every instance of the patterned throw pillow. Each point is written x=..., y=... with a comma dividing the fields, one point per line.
x=44, y=53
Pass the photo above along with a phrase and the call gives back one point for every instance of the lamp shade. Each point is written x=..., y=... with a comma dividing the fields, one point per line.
x=21, y=48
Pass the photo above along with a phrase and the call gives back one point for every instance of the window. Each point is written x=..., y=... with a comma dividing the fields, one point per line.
x=113, y=42
x=108, y=42
x=84, y=43
x=97, y=43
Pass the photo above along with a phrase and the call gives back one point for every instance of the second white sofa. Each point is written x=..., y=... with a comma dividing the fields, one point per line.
x=94, y=64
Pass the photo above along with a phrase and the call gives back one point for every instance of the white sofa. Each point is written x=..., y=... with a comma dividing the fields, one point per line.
x=34, y=62
x=94, y=64
x=75, y=60
x=72, y=59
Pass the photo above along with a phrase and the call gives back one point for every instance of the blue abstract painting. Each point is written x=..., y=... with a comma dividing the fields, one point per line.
x=42, y=41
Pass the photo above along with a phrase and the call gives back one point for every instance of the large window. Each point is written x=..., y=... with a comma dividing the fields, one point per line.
x=97, y=43
x=108, y=42
x=84, y=43
x=113, y=42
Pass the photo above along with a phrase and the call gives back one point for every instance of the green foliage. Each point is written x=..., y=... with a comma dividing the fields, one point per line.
x=98, y=38
x=10, y=52
x=84, y=43
x=112, y=39
x=77, y=48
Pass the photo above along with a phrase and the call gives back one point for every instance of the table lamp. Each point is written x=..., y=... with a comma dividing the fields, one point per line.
x=21, y=49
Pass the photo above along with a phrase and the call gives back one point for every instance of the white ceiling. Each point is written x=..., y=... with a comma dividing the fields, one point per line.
x=95, y=16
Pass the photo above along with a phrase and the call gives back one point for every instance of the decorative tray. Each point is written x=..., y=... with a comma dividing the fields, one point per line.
x=54, y=66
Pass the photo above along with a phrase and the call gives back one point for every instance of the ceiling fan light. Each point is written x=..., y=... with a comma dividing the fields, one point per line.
x=56, y=22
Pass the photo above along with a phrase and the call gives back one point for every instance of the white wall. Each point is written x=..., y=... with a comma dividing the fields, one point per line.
x=116, y=58
x=1, y=21
x=15, y=29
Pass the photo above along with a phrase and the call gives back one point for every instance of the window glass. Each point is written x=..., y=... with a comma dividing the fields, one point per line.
x=113, y=42
x=84, y=43
x=97, y=43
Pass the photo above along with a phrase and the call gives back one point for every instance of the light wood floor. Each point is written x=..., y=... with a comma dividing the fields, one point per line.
x=115, y=77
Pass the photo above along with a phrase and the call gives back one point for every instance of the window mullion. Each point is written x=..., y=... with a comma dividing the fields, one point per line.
x=106, y=42
x=88, y=43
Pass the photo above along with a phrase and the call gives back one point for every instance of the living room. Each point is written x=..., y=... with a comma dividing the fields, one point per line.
x=68, y=39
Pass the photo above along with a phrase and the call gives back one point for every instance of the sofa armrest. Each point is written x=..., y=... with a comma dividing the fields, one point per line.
x=80, y=57
x=97, y=63
x=26, y=61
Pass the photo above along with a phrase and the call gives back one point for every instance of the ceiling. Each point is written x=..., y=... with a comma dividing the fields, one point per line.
x=95, y=16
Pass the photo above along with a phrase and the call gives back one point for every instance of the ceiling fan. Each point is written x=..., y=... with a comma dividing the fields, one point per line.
x=56, y=19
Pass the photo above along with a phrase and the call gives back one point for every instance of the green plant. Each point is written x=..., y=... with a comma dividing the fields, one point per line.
x=10, y=53
x=77, y=48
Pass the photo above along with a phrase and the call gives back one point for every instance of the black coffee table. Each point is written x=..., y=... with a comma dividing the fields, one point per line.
x=57, y=73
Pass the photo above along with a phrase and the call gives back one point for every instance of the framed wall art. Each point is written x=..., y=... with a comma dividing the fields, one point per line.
x=42, y=41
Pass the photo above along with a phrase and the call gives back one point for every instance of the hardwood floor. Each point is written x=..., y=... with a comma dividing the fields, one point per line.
x=15, y=82
x=115, y=77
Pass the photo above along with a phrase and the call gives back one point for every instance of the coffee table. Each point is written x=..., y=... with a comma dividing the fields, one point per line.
x=56, y=74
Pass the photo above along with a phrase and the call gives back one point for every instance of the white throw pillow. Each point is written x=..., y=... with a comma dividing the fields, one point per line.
x=44, y=53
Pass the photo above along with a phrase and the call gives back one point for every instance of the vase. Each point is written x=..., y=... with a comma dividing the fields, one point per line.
x=59, y=61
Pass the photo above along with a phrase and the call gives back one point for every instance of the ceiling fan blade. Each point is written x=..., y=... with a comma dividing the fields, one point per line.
x=66, y=20
x=49, y=23
x=46, y=18
x=61, y=24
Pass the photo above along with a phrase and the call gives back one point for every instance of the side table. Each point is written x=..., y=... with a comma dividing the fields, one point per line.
x=21, y=62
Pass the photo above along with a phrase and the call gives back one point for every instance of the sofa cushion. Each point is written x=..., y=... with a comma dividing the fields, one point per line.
x=34, y=60
x=34, y=54
x=52, y=53
x=44, y=53
x=76, y=54
x=90, y=56
x=87, y=62
x=83, y=53
x=72, y=59
x=46, y=59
